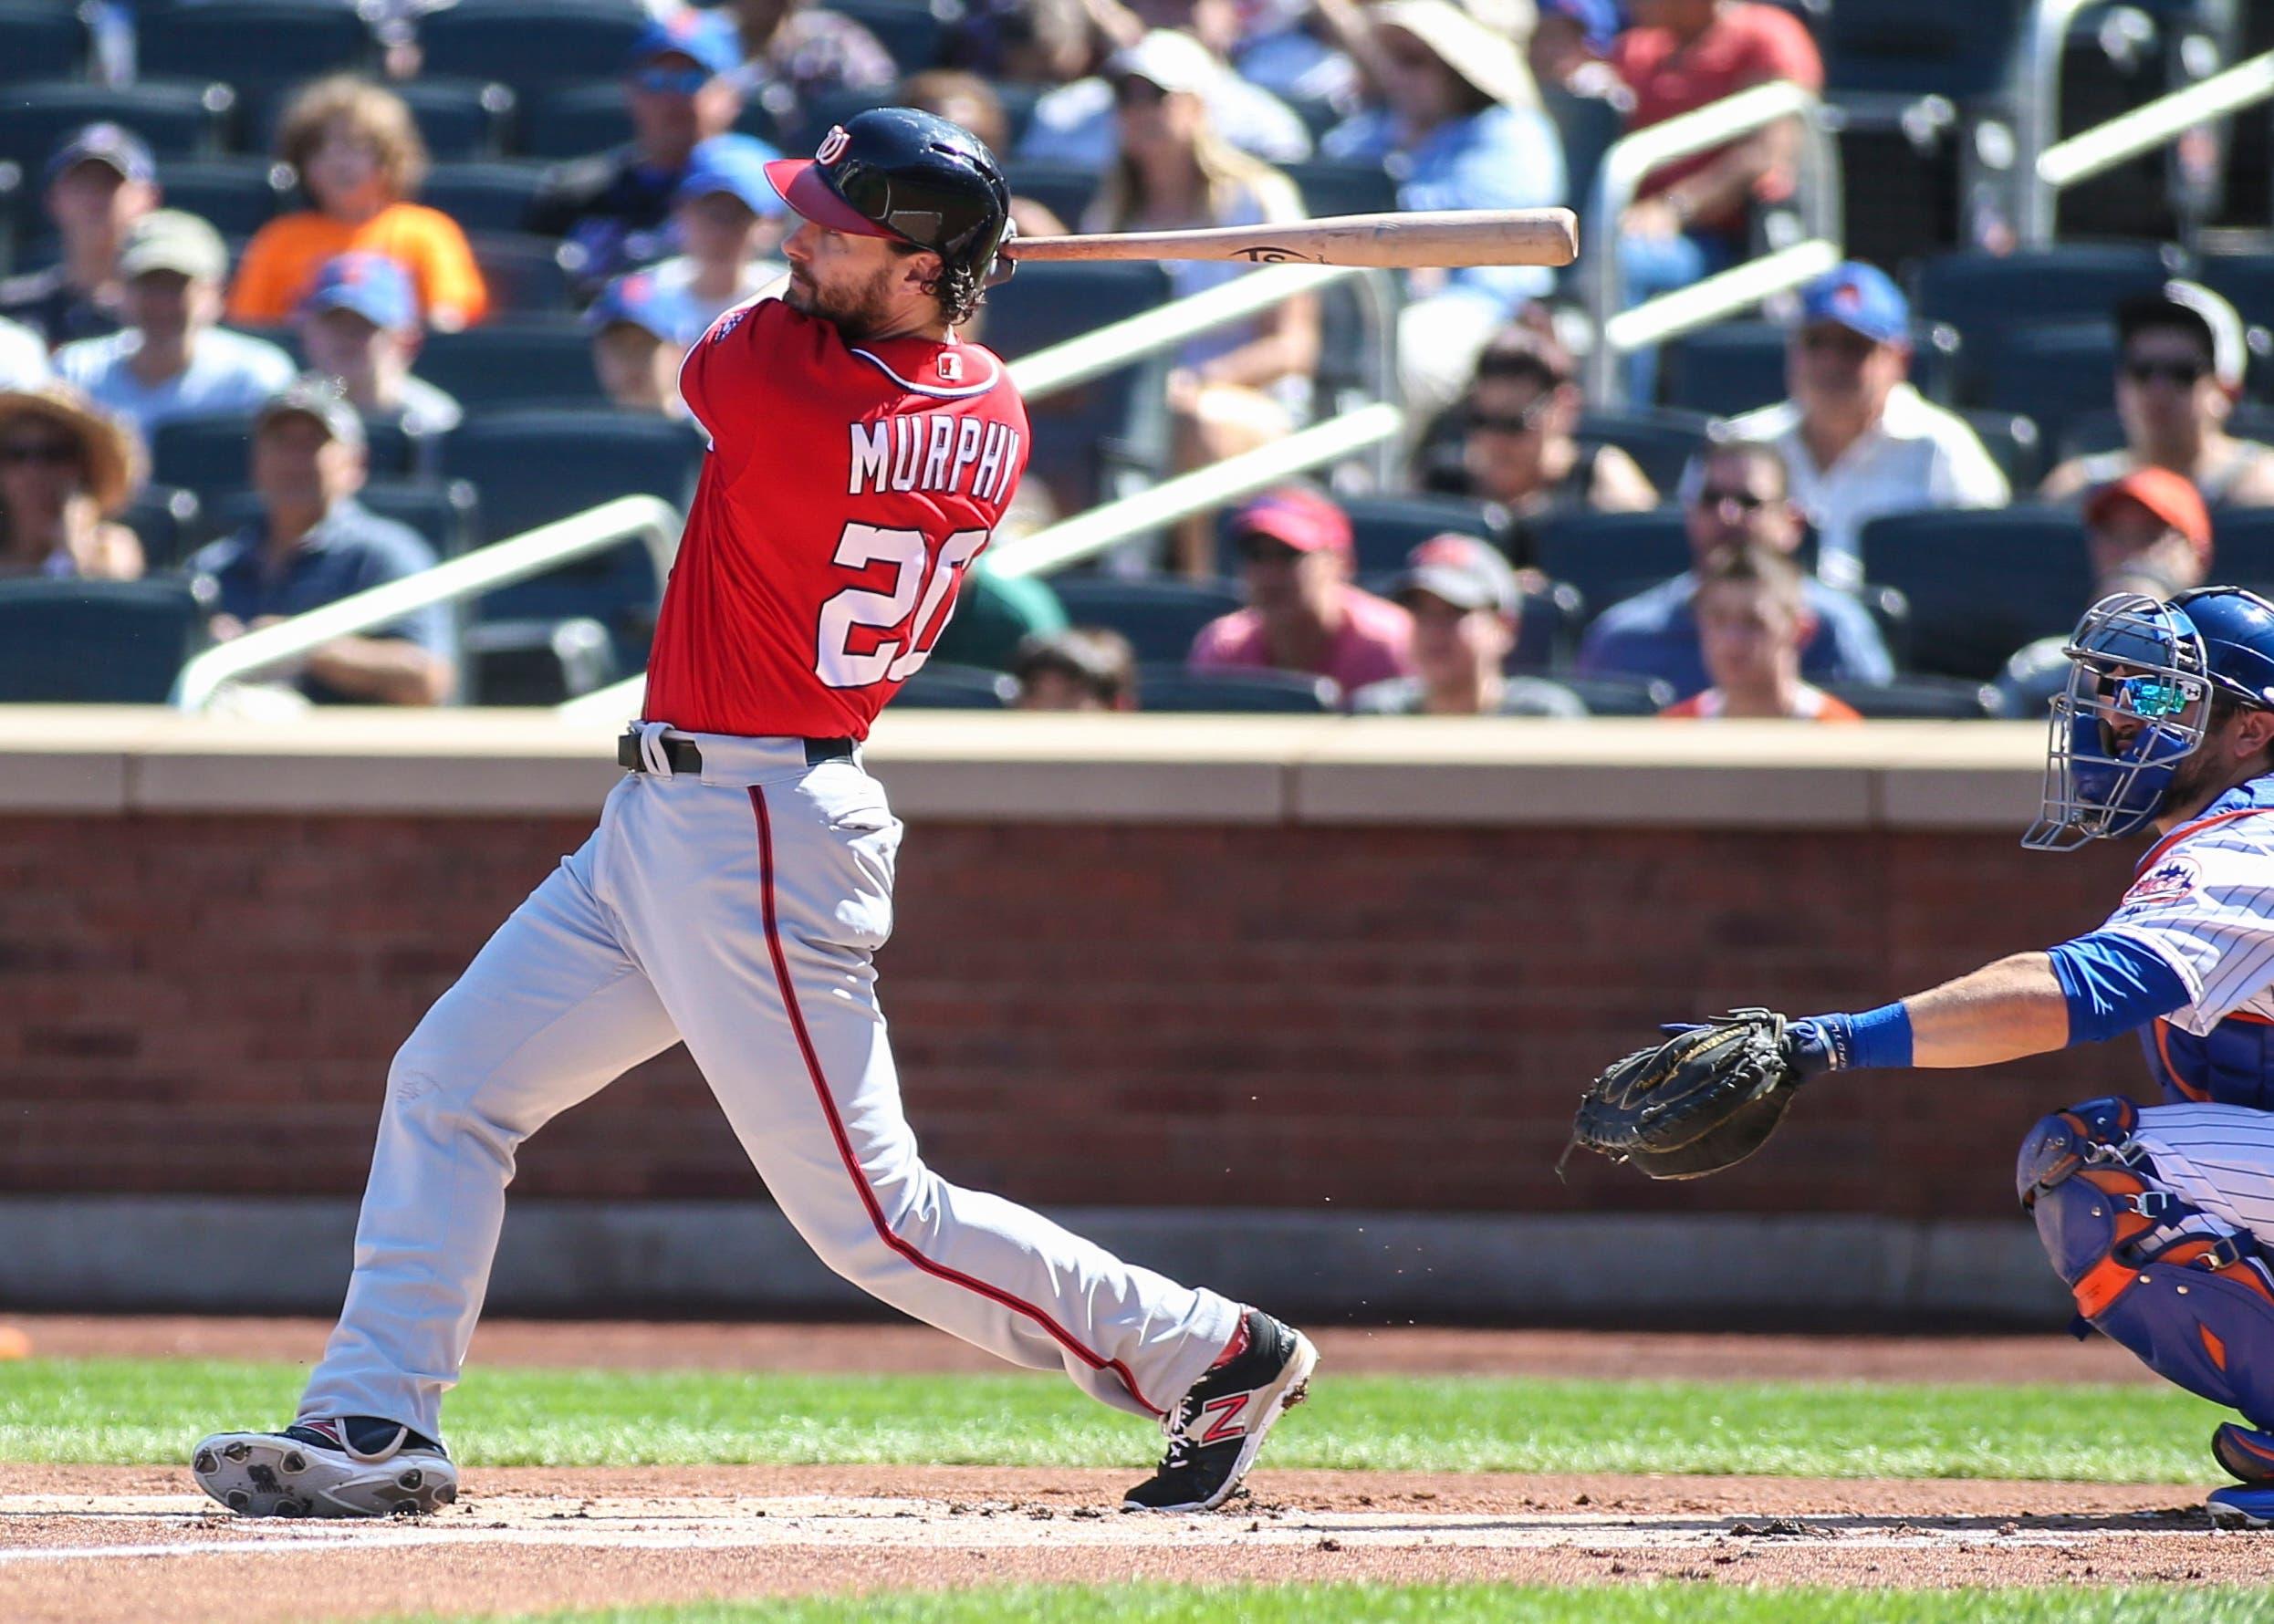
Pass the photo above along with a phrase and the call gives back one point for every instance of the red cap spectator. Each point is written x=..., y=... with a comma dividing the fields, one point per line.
x=2171, y=500
x=1302, y=518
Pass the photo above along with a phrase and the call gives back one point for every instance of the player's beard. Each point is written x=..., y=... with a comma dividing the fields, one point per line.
x=855, y=312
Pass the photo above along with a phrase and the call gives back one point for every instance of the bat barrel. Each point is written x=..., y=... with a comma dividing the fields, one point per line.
x=1450, y=239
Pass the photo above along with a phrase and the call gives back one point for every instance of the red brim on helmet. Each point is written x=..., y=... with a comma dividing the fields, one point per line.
x=809, y=194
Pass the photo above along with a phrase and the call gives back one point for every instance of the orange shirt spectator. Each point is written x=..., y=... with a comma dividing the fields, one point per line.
x=359, y=158
x=1683, y=54
x=1753, y=620
x=1816, y=705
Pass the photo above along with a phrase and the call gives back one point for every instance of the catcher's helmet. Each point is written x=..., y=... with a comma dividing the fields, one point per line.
x=2155, y=666
x=893, y=171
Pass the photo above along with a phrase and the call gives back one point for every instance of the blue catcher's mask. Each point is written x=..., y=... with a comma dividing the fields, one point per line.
x=2138, y=704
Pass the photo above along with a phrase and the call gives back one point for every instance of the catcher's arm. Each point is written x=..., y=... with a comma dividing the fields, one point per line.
x=2000, y=1012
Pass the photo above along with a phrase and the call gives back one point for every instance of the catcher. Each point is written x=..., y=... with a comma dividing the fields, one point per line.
x=2159, y=1219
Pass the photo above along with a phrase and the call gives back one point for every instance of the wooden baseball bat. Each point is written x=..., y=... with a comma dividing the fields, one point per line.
x=1449, y=238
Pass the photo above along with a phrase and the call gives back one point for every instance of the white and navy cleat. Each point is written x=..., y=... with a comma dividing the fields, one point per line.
x=1216, y=1429
x=347, y=1466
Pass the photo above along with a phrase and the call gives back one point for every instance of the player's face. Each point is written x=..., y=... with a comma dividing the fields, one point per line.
x=864, y=286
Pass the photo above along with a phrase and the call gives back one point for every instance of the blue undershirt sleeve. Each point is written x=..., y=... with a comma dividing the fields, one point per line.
x=2113, y=985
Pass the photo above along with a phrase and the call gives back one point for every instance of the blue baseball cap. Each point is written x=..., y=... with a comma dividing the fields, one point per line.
x=735, y=165
x=1598, y=19
x=113, y=144
x=705, y=36
x=1860, y=298
x=371, y=285
x=636, y=300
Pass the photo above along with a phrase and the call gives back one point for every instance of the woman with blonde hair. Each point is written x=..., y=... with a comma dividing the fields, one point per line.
x=1238, y=387
x=360, y=159
x=66, y=469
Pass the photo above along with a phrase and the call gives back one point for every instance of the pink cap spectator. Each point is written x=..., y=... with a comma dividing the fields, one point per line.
x=1301, y=518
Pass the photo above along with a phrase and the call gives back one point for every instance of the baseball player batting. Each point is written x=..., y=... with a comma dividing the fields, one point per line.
x=2159, y=1219
x=740, y=883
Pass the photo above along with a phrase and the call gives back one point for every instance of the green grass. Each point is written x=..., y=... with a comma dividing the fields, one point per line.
x=151, y=1410
x=1462, y=1604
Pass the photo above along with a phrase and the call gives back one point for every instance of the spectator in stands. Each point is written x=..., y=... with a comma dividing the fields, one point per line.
x=1303, y=613
x=1570, y=42
x=1086, y=667
x=23, y=357
x=794, y=51
x=1692, y=217
x=1235, y=388
x=995, y=616
x=1858, y=439
x=1023, y=42
x=360, y=159
x=2147, y=531
x=172, y=361
x=1462, y=126
x=637, y=342
x=66, y=470
x=727, y=219
x=313, y=544
x=1464, y=601
x=1075, y=123
x=969, y=101
x=1753, y=621
x=1734, y=493
x=1518, y=448
x=360, y=328
x=2178, y=380
x=100, y=182
x=1275, y=44
x=679, y=90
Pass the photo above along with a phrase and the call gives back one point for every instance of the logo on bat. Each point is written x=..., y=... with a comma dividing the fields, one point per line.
x=1264, y=254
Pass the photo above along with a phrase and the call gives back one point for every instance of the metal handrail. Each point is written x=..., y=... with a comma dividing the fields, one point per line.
x=1086, y=534
x=649, y=519
x=2128, y=135
x=2037, y=112
x=1634, y=158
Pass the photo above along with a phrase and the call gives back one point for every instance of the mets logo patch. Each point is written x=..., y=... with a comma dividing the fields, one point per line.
x=832, y=145
x=2168, y=881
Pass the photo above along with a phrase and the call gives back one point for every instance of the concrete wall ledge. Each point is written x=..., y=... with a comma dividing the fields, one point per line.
x=945, y=766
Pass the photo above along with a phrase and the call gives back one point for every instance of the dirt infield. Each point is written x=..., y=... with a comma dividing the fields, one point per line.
x=95, y=1545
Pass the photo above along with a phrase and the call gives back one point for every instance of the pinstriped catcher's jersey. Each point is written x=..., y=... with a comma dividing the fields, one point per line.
x=2203, y=901
x=848, y=489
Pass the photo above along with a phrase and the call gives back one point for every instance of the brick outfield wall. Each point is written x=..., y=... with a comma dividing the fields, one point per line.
x=1144, y=1016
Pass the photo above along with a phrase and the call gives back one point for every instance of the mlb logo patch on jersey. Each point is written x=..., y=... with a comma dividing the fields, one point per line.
x=951, y=367
x=2168, y=881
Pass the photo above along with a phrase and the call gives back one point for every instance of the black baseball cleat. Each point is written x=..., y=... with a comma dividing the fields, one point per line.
x=1217, y=1428
x=344, y=1467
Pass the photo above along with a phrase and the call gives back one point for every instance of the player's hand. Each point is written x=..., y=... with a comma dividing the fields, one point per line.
x=1811, y=1047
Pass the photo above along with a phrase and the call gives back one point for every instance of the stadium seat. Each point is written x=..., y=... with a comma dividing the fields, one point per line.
x=2242, y=540
x=1332, y=188
x=1925, y=698
x=531, y=45
x=526, y=360
x=1548, y=628
x=2048, y=372
x=941, y=686
x=460, y=120
x=213, y=453
x=1730, y=368
x=1980, y=294
x=236, y=195
x=1981, y=583
x=95, y=642
x=442, y=513
x=1956, y=48
x=526, y=275
x=1908, y=157
x=1064, y=189
x=1383, y=529
x=1172, y=688
x=178, y=119
x=535, y=663
x=1588, y=125
x=1610, y=555
x=1617, y=694
x=250, y=43
x=913, y=31
x=42, y=42
x=2244, y=280
x=166, y=520
x=536, y=464
x=574, y=121
x=483, y=197
x=2014, y=441
x=1079, y=433
x=1160, y=616
x=1662, y=441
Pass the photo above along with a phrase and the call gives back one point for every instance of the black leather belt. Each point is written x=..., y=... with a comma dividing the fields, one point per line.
x=685, y=758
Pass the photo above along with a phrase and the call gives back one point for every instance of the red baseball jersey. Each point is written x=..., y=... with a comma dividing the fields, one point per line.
x=848, y=489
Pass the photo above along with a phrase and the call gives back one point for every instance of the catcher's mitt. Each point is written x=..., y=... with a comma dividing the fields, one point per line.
x=1704, y=1099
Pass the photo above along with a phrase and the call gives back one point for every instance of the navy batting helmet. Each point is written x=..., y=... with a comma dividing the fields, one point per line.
x=893, y=171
